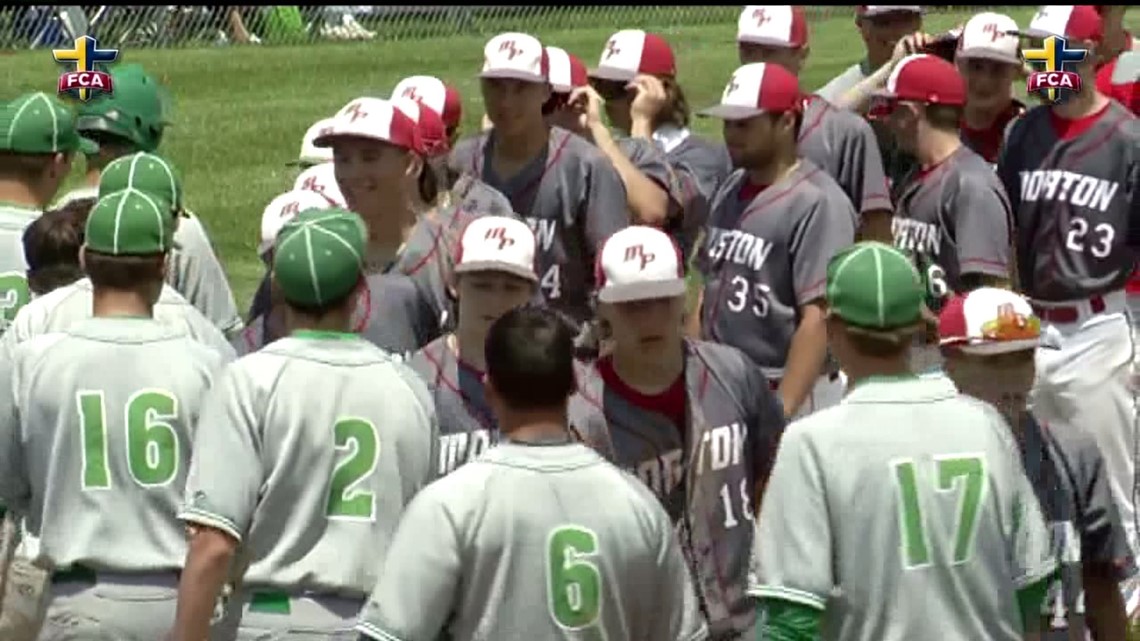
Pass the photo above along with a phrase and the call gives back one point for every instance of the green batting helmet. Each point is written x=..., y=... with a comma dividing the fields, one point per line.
x=135, y=111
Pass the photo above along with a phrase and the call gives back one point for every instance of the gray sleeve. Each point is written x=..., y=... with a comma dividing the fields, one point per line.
x=15, y=493
x=982, y=225
x=201, y=278
x=680, y=616
x=419, y=579
x=650, y=161
x=767, y=416
x=861, y=171
x=816, y=237
x=1031, y=550
x=794, y=509
x=462, y=158
x=224, y=480
x=1103, y=538
x=1007, y=164
x=606, y=209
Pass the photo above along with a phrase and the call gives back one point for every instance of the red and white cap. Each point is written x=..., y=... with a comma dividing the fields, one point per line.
x=639, y=263
x=515, y=55
x=632, y=52
x=373, y=119
x=756, y=89
x=870, y=11
x=567, y=71
x=284, y=208
x=310, y=153
x=780, y=26
x=497, y=243
x=435, y=94
x=925, y=78
x=322, y=179
x=990, y=36
x=989, y=320
x=432, y=133
x=1078, y=22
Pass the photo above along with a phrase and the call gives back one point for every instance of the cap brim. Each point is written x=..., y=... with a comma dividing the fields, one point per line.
x=305, y=163
x=88, y=146
x=642, y=291
x=981, y=53
x=989, y=348
x=767, y=42
x=888, y=10
x=610, y=73
x=1039, y=34
x=731, y=112
x=512, y=74
x=496, y=266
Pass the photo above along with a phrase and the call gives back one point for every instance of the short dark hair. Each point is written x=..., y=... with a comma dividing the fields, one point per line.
x=530, y=358
x=944, y=117
x=276, y=296
x=124, y=273
x=51, y=246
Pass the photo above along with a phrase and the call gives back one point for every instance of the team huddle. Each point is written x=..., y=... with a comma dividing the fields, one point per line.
x=862, y=370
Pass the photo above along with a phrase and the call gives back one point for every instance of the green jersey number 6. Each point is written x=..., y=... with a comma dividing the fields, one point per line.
x=574, y=583
x=152, y=441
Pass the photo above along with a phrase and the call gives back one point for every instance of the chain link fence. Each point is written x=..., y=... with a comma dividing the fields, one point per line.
x=135, y=26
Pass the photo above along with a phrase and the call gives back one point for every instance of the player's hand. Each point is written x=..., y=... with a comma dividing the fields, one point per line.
x=590, y=104
x=907, y=45
x=650, y=99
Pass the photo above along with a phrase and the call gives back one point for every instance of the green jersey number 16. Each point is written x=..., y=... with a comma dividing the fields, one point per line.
x=152, y=441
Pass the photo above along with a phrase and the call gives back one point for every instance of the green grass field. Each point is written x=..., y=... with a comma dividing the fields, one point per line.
x=240, y=112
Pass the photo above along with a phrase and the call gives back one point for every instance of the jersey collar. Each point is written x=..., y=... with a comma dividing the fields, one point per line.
x=669, y=137
x=906, y=388
x=320, y=334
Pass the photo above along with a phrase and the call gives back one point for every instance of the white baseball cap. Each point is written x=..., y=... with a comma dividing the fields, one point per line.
x=497, y=243
x=989, y=320
x=870, y=11
x=990, y=36
x=631, y=52
x=434, y=94
x=1077, y=22
x=639, y=263
x=778, y=26
x=321, y=178
x=515, y=55
x=567, y=71
x=374, y=119
x=284, y=208
x=310, y=153
x=755, y=89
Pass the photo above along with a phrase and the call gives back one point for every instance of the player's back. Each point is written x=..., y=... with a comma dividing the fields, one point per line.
x=553, y=543
x=68, y=305
x=14, y=292
x=926, y=496
x=108, y=409
x=346, y=438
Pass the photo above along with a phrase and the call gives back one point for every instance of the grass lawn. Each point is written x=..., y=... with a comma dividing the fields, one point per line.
x=240, y=112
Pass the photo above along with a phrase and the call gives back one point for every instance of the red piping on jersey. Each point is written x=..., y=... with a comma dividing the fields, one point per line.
x=804, y=131
x=418, y=265
x=440, y=378
x=748, y=211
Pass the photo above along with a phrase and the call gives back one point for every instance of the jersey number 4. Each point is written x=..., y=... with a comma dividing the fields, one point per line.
x=965, y=475
x=152, y=441
x=358, y=448
x=574, y=583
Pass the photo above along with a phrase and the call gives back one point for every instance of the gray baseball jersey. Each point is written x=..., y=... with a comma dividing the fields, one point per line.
x=61, y=308
x=707, y=162
x=472, y=564
x=705, y=471
x=358, y=424
x=923, y=526
x=1073, y=199
x=954, y=219
x=96, y=425
x=194, y=269
x=572, y=198
x=1066, y=469
x=467, y=426
x=843, y=144
x=766, y=255
x=14, y=292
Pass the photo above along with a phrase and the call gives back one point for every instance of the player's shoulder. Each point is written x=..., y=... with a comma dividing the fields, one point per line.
x=38, y=349
x=840, y=123
x=724, y=359
x=570, y=145
x=971, y=169
x=429, y=360
x=730, y=186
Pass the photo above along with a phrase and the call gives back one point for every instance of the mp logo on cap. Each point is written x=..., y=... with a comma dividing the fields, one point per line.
x=756, y=89
x=990, y=36
x=499, y=234
x=776, y=26
x=639, y=263
x=515, y=56
x=88, y=78
x=633, y=51
x=499, y=244
x=638, y=253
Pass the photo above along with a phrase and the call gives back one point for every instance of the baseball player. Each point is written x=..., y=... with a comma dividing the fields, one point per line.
x=1070, y=170
x=835, y=140
x=925, y=522
x=440, y=97
x=989, y=60
x=772, y=227
x=695, y=421
x=325, y=440
x=51, y=247
x=988, y=337
x=494, y=273
x=880, y=27
x=133, y=119
x=312, y=155
x=564, y=187
x=97, y=459
x=592, y=556
x=952, y=216
x=36, y=151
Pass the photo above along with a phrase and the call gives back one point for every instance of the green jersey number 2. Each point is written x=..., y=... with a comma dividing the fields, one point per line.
x=574, y=582
x=14, y=294
x=358, y=448
x=963, y=475
x=152, y=441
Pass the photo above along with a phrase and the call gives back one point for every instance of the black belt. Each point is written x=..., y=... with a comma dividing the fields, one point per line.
x=82, y=574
